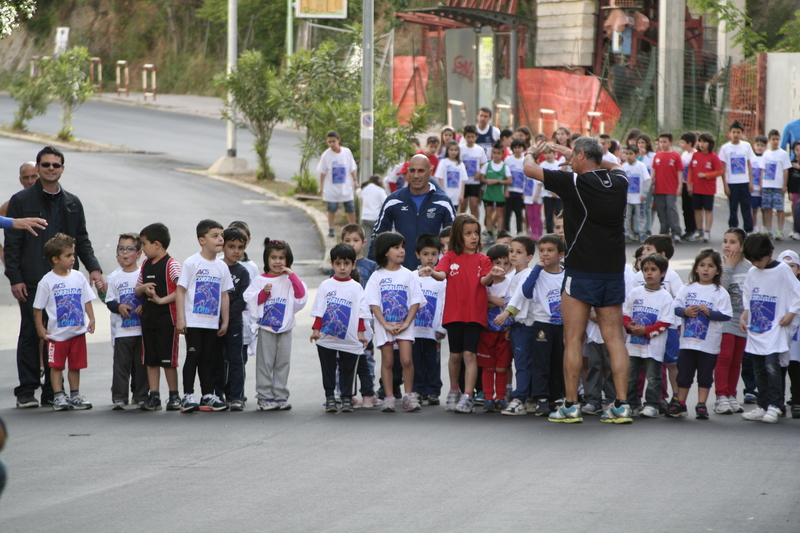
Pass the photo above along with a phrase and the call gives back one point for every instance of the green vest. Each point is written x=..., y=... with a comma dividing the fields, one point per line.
x=496, y=192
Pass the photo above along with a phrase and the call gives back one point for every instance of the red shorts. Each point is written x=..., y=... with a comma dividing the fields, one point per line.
x=72, y=350
x=494, y=350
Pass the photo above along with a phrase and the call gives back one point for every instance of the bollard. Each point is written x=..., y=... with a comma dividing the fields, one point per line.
x=122, y=70
x=592, y=115
x=152, y=70
x=99, y=65
x=462, y=105
x=543, y=112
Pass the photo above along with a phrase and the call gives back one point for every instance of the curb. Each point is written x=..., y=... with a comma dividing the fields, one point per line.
x=97, y=148
x=319, y=218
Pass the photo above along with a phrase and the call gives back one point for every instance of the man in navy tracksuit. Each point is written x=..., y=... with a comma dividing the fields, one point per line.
x=414, y=210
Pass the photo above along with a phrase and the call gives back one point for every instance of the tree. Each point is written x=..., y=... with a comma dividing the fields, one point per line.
x=791, y=35
x=70, y=86
x=13, y=12
x=254, y=86
x=737, y=23
x=33, y=97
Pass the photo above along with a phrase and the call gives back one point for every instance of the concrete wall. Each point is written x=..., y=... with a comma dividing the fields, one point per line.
x=566, y=32
x=783, y=90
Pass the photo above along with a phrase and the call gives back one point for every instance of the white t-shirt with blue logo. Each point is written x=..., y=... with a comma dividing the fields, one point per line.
x=451, y=174
x=647, y=307
x=700, y=332
x=518, y=177
x=340, y=304
x=276, y=314
x=204, y=281
x=757, y=168
x=338, y=169
x=429, y=315
x=768, y=294
x=775, y=162
x=63, y=298
x=121, y=288
x=394, y=291
x=638, y=181
x=547, y=298
x=473, y=158
x=500, y=290
x=735, y=157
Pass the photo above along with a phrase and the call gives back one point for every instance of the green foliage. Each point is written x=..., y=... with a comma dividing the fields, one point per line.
x=256, y=93
x=791, y=33
x=13, y=12
x=33, y=98
x=737, y=23
x=261, y=24
x=306, y=183
x=69, y=84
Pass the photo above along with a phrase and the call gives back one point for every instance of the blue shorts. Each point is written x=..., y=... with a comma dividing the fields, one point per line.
x=673, y=347
x=772, y=199
x=595, y=289
x=755, y=201
x=349, y=206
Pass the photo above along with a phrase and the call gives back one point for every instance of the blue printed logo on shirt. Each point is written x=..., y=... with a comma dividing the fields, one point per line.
x=738, y=165
x=336, y=319
x=425, y=313
x=517, y=178
x=453, y=178
x=394, y=302
x=69, y=311
x=762, y=312
x=757, y=175
x=206, y=297
x=634, y=184
x=770, y=171
x=128, y=297
x=273, y=312
x=472, y=167
x=529, y=187
x=338, y=173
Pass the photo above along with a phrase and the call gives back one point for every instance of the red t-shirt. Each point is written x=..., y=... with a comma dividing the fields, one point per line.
x=465, y=298
x=708, y=164
x=666, y=166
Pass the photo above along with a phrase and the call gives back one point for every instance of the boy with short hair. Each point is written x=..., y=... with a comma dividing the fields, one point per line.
x=337, y=176
x=774, y=183
x=771, y=299
x=552, y=203
x=757, y=168
x=67, y=297
x=515, y=202
x=474, y=157
x=202, y=304
x=431, y=151
x=156, y=284
x=638, y=185
x=687, y=142
x=667, y=186
x=126, y=324
x=444, y=239
x=428, y=330
x=736, y=157
x=496, y=175
x=605, y=142
x=353, y=234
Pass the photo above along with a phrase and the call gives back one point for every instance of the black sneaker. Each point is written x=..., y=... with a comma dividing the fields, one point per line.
x=347, y=405
x=174, y=403
x=795, y=411
x=676, y=410
x=433, y=400
x=153, y=403
x=27, y=401
x=542, y=407
x=701, y=411
x=212, y=403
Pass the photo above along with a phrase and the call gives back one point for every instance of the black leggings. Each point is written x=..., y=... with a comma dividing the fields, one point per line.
x=516, y=205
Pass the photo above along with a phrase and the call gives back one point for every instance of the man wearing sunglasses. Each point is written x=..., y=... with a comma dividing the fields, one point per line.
x=26, y=264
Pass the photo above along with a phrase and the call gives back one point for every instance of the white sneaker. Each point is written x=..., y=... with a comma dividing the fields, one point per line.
x=756, y=414
x=707, y=236
x=795, y=236
x=772, y=415
x=648, y=411
x=735, y=407
x=722, y=406
x=515, y=408
x=452, y=399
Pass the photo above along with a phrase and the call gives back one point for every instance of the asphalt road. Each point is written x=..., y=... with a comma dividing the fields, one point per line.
x=305, y=470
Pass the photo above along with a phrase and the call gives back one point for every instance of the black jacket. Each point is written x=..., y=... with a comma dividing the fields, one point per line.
x=25, y=261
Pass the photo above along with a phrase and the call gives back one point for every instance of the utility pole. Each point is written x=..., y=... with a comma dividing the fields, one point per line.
x=289, y=28
x=367, y=64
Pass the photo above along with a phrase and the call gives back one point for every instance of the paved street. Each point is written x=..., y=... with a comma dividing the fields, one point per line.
x=308, y=471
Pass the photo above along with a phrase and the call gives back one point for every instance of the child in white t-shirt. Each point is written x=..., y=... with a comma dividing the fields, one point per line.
x=274, y=298
x=736, y=157
x=337, y=178
x=552, y=203
x=474, y=157
x=638, y=185
x=703, y=305
x=66, y=297
x=774, y=184
x=452, y=174
x=372, y=197
x=757, y=169
x=394, y=296
x=516, y=191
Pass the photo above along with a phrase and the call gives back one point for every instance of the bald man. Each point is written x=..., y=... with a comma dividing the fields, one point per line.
x=27, y=177
x=414, y=210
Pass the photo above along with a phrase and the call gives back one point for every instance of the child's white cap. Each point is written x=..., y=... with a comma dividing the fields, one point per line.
x=790, y=257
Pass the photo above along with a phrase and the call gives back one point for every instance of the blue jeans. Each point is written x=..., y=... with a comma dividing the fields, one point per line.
x=740, y=199
x=769, y=379
x=652, y=374
x=748, y=374
x=229, y=365
x=427, y=367
x=522, y=338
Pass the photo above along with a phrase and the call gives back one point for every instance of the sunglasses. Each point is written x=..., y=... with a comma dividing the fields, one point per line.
x=48, y=165
x=126, y=249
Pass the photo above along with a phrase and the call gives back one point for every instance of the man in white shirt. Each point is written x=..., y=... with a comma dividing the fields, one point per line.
x=337, y=176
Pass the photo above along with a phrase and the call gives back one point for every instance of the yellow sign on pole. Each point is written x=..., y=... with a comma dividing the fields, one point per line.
x=322, y=9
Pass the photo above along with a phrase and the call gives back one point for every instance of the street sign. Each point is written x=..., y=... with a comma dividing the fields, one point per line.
x=367, y=125
x=322, y=9
x=62, y=38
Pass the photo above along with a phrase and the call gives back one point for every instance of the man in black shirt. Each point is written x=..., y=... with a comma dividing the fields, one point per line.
x=594, y=197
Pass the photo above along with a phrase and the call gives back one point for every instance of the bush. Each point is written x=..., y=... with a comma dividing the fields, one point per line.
x=306, y=183
x=33, y=98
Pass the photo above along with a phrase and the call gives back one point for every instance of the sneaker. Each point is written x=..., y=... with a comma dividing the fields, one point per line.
x=211, y=402
x=515, y=408
x=676, y=410
x=452, y=399
x=411, y=403
x=735, y=407
x=368, y=402
x=331, y=233
x=701, y=411
x=330, y=405
x=696, y=236
x=189, y=404
x=47, y=402
x=779, y=235
x=479, y=399
x=796, y=411
x=722, y=406
x=237, y=405
x=272, y=405
x=61, y=403
x=347, y=405
x=388, y=404
x=27, y=401
x=795, y=236
x=433, y=400
x=706, y=236
x=153, y=403
x=358, y=403
x=542, y=408
x=756, y=414
x=488, y=406
x=499, y=405
x=642, y=238
x=567, y=415
x=465, y=405
x=284, y=405
x=772, y=415
x=119, y=405
x=174, y=403
x=617, y=415
x=749, y=397
x=530, y=405
x=591, y=409
x=676, y=239
x=648, y=411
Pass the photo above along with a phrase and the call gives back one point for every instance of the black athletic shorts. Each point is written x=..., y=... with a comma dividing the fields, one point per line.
x=160, y=347
x=463, y=336
x=472, y=190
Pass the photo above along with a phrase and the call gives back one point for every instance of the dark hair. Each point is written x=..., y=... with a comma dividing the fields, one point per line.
x=502, y=234
x=648, y=142
x=497, y=251
x=572, y=138
x=332, y=133
x=234, y=234
x=708, y=138
x=552, y=238
x=485, y=110
x=774, y=133
x=658, y=260
x=715, y=257
x=132, y=236
x=499, y=146
x=470, y=128
x=343, y=251
x=633, y=134
x=665, y=135
x=156, y=232
x=206, y=225
x=57, y=246
x=736, y=125
x=518, y=142
x=757, y=246
x=590, y=147
x=242, y=226
x=432, y=139
x=457, y=232
x=49, y=150
x=662, y=243
x=447, y=150
x=761, y=139
x=689, y=137
x=270, y=244
x=794, y=145
x=565, y=130
x=632, y=148
x=445, y=232
x=614, y=146
x=354, y=228
x=385, y=242
x=636, y=257
x=739, y=232
x=604, y=136
x=506, y=133
x=526, y=131
x=527, y=242
x=428, y=240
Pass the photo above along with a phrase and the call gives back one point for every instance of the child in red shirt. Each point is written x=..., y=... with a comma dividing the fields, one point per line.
x=704, y=170
x=468, y=273
x=667, y=186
